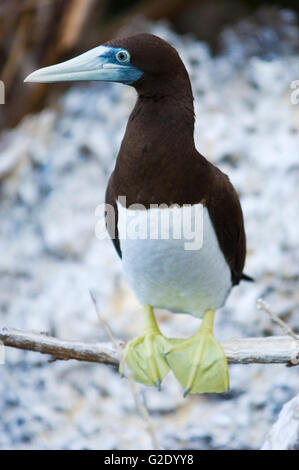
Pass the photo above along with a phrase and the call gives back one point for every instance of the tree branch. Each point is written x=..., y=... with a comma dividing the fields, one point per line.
x=270, y=350
x=57, y=348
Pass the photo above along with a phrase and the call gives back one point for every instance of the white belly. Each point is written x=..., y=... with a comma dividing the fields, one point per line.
x=165, y=267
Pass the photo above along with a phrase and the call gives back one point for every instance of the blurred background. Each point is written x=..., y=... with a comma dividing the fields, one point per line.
x=37, y=33
x=58, y=145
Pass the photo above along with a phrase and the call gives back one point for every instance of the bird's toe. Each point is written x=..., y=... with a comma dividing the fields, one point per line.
x=199, y=364
x=144, y=356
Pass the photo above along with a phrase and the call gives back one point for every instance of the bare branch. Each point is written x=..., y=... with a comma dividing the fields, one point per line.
x=59, y=349
x=262, y=305
x=270, y=350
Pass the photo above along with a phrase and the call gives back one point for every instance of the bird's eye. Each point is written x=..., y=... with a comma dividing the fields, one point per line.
x=123, y=56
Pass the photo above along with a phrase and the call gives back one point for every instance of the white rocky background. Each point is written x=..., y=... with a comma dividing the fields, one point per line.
x=54, y=168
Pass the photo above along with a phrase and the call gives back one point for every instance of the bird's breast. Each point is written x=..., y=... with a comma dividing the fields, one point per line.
x=171, y=258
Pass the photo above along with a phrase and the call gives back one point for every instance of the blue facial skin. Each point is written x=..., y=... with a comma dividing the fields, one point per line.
x=101, y=63
x=125, y=73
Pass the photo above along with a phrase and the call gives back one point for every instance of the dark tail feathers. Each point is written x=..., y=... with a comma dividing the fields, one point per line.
x=247, y=278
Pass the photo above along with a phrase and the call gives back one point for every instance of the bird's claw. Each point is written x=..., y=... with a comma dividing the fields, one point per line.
x=199, y=364
x=144, y=356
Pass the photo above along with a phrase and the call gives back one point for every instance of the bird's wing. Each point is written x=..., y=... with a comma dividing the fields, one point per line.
x=111, y=216
x=227, y=218
x=225, y=211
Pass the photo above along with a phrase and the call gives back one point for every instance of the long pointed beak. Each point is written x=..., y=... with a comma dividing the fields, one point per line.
x=97, y=64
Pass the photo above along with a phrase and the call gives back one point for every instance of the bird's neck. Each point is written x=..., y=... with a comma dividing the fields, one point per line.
x=161, y=116
x=157, y=153
x=160, y=130
x=163, y=109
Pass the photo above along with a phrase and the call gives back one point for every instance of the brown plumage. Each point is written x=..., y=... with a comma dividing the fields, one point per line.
x=158, y=162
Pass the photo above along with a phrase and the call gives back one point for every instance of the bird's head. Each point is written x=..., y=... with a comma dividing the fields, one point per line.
x=142, y=61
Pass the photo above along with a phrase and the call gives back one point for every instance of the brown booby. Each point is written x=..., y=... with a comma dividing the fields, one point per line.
x=160, y=176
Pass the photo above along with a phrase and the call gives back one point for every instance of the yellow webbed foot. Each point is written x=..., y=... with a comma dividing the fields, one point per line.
x=145, y=355
x=199, y=362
